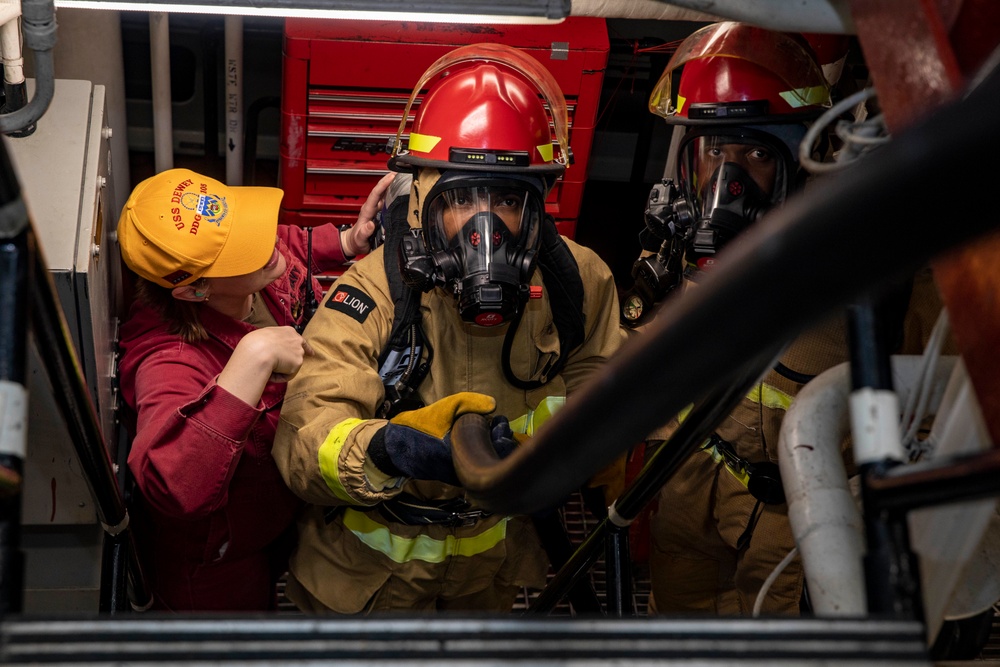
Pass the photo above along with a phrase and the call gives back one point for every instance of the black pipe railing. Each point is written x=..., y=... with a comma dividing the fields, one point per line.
x=16, y=267
x=667, y=459
x=892, y=576
x=28, y=300
x=74, y=402
x=855, y=233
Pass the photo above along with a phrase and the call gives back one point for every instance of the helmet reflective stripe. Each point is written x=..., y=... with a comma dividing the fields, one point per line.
x=545, y=150
x=379, y=537
x=802, y=97
x=422, y=143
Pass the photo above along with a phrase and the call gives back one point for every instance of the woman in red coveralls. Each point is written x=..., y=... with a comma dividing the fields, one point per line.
x=206, y=352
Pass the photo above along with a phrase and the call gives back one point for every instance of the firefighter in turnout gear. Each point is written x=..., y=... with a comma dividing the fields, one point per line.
x=744, y=96
x=474, y=304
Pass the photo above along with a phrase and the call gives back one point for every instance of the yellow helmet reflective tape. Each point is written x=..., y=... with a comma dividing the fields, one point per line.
x=422, y=143
x=422, y=547
x=329, y=453
x=532, y=420
x=545, y=150
x=804, y=97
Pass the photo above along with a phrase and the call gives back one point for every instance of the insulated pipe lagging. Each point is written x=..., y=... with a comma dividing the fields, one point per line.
x=38, y=24
x=824, y=517
x=10, y=48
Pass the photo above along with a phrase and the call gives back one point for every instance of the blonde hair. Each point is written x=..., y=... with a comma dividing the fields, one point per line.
x=181, y=316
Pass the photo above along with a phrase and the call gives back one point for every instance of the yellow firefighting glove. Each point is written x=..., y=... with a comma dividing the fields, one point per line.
x=416, y=443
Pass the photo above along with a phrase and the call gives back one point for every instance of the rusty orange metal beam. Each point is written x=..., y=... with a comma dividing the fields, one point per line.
x=921, y=54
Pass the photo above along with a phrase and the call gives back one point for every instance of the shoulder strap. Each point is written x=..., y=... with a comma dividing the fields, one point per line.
x=565, y=286
x=565, y=289
x=406, y=301
x=401, y=363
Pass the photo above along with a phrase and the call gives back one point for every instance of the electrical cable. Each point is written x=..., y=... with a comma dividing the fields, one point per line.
x=916, y=404
x=771, y=578
x=858, y=137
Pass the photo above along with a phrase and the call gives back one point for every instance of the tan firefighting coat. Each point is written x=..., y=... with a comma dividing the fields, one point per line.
x=696, y=563
x=353, y=559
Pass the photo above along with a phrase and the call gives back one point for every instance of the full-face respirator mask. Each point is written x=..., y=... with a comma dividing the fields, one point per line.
x=731, y=180
x=479, y=240
x=727, y=178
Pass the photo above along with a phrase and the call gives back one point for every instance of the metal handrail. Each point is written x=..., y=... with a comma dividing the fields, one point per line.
x=36, y=293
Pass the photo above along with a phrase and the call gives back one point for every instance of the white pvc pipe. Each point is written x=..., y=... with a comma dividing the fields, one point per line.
x=823, y=514
x=234, y=100
x=825, y=521
x=10, y=49
x=9, y=10
x=875, y=426
x=829, y=16
x=163, y=121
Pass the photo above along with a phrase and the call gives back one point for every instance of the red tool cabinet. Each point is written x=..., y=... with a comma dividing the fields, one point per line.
x=346, y=83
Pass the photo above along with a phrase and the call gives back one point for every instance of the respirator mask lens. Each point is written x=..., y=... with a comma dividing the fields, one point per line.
x=732, y=180
x=487, y=230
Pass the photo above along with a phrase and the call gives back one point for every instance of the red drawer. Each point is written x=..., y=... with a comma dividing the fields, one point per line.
x=338, y=118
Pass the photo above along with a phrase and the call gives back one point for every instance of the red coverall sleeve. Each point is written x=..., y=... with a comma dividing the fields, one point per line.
x=327, y=254
x=190, y=434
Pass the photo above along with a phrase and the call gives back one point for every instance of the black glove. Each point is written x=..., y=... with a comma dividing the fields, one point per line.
x=504, y=440
x=416, y=443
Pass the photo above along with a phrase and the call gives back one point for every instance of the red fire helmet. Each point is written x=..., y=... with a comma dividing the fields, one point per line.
x=485, y=110
x=735, y=73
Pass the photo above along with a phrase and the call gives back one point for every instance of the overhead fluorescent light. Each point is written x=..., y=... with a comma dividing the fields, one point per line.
x=433, y=11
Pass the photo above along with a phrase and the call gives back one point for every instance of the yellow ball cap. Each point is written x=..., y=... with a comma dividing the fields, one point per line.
x=179, y=226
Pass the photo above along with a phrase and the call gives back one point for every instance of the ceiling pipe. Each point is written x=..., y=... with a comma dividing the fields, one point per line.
x=826, y=16
x=163, y=119
x=234, y=100
x=39, y=29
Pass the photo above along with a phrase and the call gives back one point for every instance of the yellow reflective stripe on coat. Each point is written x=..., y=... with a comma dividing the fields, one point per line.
x=770, y=397
x=329, y=454
x=531, y=421
x=762, y=394
x=422, y=547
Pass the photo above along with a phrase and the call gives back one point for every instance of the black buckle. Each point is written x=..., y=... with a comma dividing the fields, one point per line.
x=411, y=511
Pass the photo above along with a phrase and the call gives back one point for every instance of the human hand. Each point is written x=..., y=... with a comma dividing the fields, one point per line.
x=416, y=443
x=505, y=441
x=270, y=354
x=356, y=240
x=279, y=351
